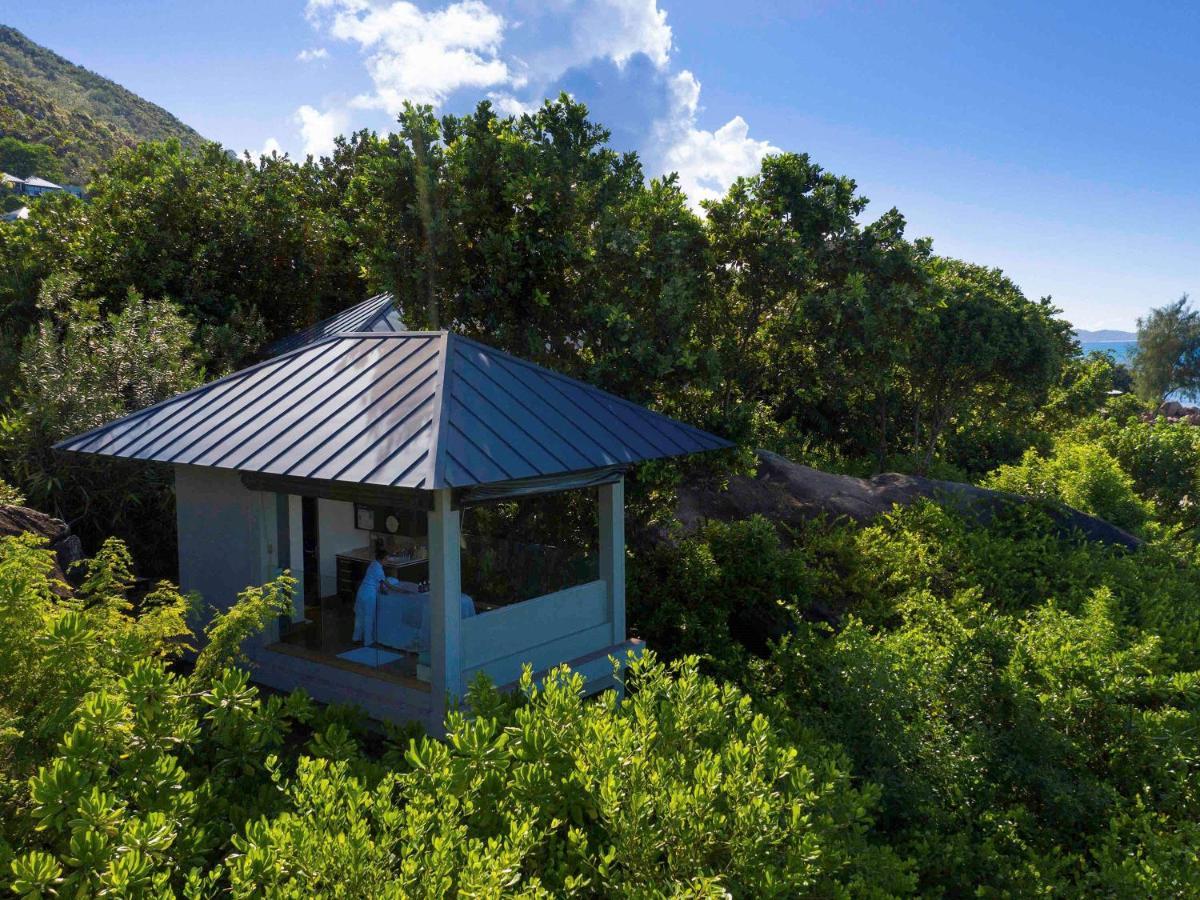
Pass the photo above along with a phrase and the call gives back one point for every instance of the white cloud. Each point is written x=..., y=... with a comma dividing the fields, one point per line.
x=508, y=105
x=419, y=56
x=596, y=29
x=620, y=28
x=271, y=146
x=318, y=129
x=519, y=51
x=311, y=54
x=707, y=161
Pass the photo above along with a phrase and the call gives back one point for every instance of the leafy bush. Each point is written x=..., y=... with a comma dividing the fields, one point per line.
x=79, y=370
x=9, y=495
x=683, y=789
x=1082, y=475
x=55, y=649
x=1023, y=700
x=718, y=592
x=1163, y=461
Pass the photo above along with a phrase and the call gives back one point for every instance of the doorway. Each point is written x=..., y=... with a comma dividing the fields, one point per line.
x=310, y=534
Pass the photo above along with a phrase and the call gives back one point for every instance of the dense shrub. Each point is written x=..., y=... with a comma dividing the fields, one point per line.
x=1163, y=460
x=683, y=789
x=720, y=592
x=1023, y=699
x=1082, y=475
x=146, y=781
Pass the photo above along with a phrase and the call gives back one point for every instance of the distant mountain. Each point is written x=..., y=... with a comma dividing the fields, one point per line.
x=83, y=117
x=1104, y=334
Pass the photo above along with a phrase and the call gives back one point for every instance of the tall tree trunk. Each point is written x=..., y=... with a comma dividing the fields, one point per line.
x=424, y=184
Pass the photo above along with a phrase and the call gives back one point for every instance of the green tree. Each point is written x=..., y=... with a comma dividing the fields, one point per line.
x=1167, y=356
x=23, y=158
x=982, y=353
x=82, y=369
x=533, y=235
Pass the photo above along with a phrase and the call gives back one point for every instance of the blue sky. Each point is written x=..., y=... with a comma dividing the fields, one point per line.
x=1057, y=141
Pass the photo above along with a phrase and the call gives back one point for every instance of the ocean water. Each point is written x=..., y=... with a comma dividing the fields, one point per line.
x=1120, y=349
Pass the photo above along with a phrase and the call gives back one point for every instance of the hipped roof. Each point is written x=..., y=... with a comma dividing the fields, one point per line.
x=421, y=410
x=377, y=313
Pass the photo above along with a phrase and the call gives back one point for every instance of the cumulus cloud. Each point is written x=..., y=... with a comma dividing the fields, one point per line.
x=615, y=55
x=707, y=161
x=415, y=55
x=271, y=146
x=318, y=129
x=312, y=54
x=558, y=37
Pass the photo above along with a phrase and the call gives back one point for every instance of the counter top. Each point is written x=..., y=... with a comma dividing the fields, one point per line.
x=365, y=554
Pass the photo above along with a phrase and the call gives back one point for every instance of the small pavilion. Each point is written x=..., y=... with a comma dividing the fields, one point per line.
x=358, y=437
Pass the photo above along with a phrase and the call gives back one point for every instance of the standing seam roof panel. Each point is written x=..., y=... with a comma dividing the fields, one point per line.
x=342, y=417
x=348, y=384
x=538, y=431
x=567, y=434
x=376, y=313
x=156, y=440
x=412, y=409
x=247, y=408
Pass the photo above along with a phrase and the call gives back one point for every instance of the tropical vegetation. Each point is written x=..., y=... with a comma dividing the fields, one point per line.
x=935, y=703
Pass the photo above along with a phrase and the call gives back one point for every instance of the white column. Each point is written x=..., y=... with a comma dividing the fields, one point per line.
x=445, y=592
x=612, y=553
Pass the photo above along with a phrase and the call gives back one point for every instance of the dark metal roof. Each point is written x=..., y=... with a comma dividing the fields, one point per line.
x=376, y=314
x=416, y=410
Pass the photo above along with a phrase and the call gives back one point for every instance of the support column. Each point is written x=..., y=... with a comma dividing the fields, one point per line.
x=612, y=554
x=445, y=592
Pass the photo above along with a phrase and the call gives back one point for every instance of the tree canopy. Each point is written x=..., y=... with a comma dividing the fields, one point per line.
x=1167, y=357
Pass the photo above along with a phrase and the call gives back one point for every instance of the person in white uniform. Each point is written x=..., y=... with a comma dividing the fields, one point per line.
x=367, y=598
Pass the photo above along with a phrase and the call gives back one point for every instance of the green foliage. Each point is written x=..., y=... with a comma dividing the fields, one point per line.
x=228, y=630
x=682, y=789
x=983, y=354
x=1162, y=458
x=9, y=495
x=1082, y=390
x=165, y=783
x=779, y=319
x=56, y=648
x=532, y=234
x=1084, y=476
x=716, y=593
x=1167, y=357
x=23, y=159
x=79, y=370
x=1022, y=700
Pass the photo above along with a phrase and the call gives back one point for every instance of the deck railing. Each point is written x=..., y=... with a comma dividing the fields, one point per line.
x=543, y=631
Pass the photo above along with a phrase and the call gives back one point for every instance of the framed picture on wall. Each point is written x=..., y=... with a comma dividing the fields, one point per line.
x=364, y=517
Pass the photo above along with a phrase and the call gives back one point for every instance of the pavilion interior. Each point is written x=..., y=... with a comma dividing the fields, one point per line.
x=511, y=551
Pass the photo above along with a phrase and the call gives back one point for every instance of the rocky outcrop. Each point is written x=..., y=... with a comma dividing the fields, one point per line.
x=791, y=494
x=66, y=546
x=1174, y=411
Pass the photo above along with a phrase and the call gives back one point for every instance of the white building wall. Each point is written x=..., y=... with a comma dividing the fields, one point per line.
x=223, y=528
x=336, y=534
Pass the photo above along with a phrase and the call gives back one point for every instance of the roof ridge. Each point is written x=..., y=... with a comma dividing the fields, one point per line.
x=437, y=461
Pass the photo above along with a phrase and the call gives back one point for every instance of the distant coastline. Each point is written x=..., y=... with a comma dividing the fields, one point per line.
x=1104, y=336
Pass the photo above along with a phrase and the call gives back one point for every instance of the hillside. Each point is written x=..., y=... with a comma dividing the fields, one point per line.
x=84, y=117
x=1105, y=334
